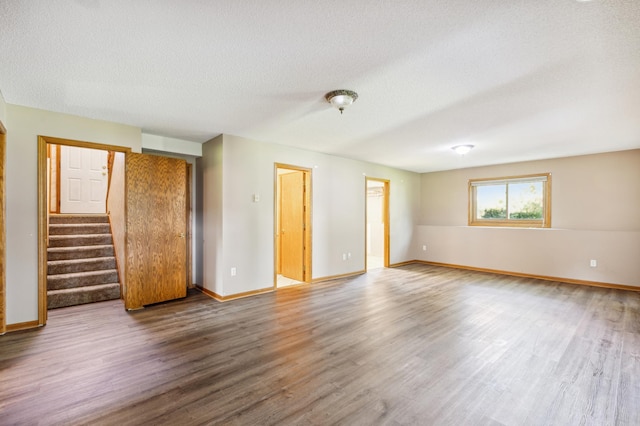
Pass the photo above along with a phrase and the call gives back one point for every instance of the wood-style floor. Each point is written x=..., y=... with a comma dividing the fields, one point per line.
x=413, y=345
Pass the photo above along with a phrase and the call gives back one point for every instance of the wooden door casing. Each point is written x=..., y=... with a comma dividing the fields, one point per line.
x=292, y=225
x=156, y=211
x=3, y=321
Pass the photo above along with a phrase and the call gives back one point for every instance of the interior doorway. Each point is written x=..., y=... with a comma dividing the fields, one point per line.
x=377, y=224
x=292, y=243
x=49, y=202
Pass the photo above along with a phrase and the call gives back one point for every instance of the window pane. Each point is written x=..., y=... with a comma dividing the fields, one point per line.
x=491, y=202
x=525, y=200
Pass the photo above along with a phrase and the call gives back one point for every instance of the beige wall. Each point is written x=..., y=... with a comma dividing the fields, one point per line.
x=24, y=125
x=595, y=204
x=115, y=210
x=338, y=212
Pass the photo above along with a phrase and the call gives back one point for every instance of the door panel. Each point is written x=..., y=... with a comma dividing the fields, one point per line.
x=83, y=180
x=292, y=225
x=156, y=210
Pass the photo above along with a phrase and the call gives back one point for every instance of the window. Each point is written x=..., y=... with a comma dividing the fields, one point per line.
x=514, y=201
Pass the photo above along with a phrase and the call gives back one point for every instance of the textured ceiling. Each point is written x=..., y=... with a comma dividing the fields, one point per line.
x=520, y=80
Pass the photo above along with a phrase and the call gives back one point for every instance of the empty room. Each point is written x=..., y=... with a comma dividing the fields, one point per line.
x=320, y=213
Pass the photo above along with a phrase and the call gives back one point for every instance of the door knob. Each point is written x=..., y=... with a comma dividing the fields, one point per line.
x=181, y=235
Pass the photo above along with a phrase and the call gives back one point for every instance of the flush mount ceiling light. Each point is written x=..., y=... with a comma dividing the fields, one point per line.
x=462, y=149
x=341, y=98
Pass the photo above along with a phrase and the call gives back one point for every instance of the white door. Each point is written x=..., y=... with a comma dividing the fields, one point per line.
x=83, y=180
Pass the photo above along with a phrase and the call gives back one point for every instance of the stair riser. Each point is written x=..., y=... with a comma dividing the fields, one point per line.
x=89, y=240
x=56, y=219
x=84, y=296
x=98, y=228
x=59, y=282
x=82, y=266
x=84, y=253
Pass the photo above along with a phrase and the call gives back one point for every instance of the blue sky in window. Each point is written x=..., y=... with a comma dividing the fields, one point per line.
x=490, y=197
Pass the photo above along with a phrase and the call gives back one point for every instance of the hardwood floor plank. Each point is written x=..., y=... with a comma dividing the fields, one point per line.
x=418, y=344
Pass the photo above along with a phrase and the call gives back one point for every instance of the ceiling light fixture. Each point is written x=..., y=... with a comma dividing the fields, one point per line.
x=462, y=149
x=341, y=98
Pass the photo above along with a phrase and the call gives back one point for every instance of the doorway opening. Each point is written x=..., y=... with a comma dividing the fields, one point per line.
x=377, y=224
x=88, y=185
x=292, y=225
x=84, y=220
x=81, y=256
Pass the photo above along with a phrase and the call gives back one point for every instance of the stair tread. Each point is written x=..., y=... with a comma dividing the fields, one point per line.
x=87, y=260
x=78, y=235
x=78, y=224
x=74, y=218
x=96, y=287
x=79, y=215
x=82, y=295
x=79, y=248
x=82, y=274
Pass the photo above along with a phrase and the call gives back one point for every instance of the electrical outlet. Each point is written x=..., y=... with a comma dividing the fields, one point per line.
x=593, y=263
x=344, y=256
x=348, y=255
x=233, y=272
x=424, y=248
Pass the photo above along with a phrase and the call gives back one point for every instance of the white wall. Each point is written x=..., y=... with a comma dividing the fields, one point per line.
x=23, y=127
x=172, y=145
x=595, y=201
x=338, y=212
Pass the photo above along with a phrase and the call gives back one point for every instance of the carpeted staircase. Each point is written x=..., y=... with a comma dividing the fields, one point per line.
x=81, y=264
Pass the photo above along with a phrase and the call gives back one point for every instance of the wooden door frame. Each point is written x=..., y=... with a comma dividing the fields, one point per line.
x=43, y=210
x=56, y=208
x=189, y=227
x=385, y=216
x=307, y=264
x=3, y=238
